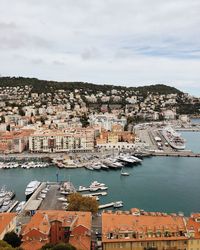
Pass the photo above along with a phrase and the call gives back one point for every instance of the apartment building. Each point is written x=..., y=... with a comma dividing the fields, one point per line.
x=62, y=141
x=193, y=227
x=14, y=141
x=106, y=121
x=52, y=226
x=135, y=230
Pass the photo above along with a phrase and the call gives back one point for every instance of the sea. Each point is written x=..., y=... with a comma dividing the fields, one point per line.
x=166, y=184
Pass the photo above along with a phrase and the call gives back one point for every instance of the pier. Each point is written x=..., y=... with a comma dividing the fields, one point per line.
x=13, y=206
x=111, y=204
x=95, y=194
x=176, y=154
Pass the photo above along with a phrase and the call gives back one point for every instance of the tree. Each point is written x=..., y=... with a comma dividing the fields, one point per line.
x=63, y=246
x=47, y=246
x=13, y=239
x=60, y=246
x=21, y=112
x=84, y=121
x=79, y=203
x=2, y=119
x=5, y=246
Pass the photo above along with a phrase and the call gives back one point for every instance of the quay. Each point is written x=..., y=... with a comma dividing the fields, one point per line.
x=111, y=204
x=188, y=129
x=95, y=194
x=176, y=154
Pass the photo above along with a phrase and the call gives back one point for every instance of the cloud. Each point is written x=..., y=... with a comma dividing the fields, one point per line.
x=118, y=41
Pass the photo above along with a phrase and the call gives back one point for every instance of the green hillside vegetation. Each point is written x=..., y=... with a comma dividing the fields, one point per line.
x=42, y=86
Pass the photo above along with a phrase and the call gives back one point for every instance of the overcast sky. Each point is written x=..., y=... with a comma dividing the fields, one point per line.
x=123, y=42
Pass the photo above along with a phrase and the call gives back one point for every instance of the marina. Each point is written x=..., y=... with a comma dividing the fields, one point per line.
x=146, y=187
x=6, y=200
x=175, y=177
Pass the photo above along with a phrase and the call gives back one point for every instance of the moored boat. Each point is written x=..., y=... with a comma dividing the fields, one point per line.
x=31, y=187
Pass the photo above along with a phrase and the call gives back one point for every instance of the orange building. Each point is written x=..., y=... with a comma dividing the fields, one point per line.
x=114, y=137
x=7, y=223
x=193, y=228
x=53, y=226
x=14, y=142
x=142, y=231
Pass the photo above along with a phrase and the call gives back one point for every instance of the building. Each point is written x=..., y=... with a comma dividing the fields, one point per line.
x=14, y=142
x=169, y=114
x=62, y=141
x=53, y=226
x=141, y=231
x=106, y=121
x=193, y=228
x=119, y=140
x=7, y=223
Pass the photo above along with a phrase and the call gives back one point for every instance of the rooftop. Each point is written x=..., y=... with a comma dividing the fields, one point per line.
x=144, y=226
x=5, y=219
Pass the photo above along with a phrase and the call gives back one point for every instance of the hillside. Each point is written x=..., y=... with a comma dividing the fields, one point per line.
x=42, y=86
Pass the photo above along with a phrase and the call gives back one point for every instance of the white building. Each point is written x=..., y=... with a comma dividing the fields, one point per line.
x=65, y=141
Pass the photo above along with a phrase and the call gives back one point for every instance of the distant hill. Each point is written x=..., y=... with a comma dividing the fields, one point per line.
x=43, y=86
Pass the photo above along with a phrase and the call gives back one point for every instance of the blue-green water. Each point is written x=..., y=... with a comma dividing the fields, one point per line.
x=195, y=120
x=192, y=141
x=159, y=184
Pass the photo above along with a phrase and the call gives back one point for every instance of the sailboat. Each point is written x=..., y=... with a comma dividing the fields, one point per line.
x=124, y=173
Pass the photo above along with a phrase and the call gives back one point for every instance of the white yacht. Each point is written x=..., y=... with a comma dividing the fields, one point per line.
x=118, y=204
x=95, y=185
x=135, y=158
x=124, y=173
x=20, y=206
x=127, y=159
x=31, y=187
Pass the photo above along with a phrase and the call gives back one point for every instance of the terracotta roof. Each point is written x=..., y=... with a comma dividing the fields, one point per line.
x=195, y=215
x=193, y=227
x=84, y=218
x=142, y=224
x=39, y=222
x=32, y=245
x=5, y=219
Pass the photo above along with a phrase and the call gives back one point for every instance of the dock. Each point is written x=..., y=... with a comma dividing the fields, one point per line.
x=111, y=204
x=12, y=207
x=83, y=190
x=176, y=154
x=95, y=194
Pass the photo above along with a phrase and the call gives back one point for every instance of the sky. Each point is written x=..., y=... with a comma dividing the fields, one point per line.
x=122, y=42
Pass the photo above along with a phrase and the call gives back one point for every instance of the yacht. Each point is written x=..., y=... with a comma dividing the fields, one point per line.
x=173, y=138
x=135, y=158
x=3, y=192
x=20, y=206
x=82, y=188
x=124, y=173
x=127, y=159
x=95, y=185
x=62, y=199
x=118, y=204
x=89, y=167
x=31, y=187
x=96, y=166
x=103, y=166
